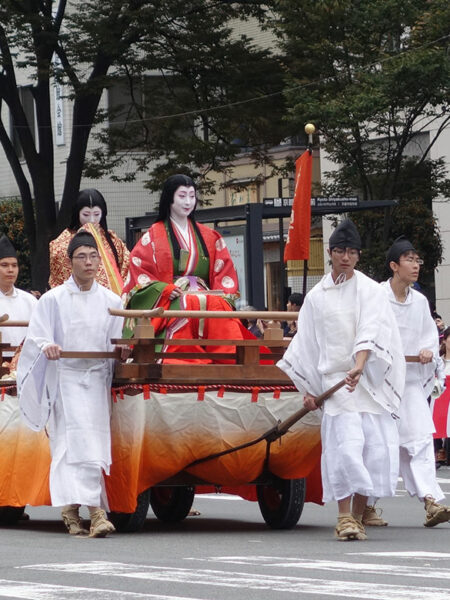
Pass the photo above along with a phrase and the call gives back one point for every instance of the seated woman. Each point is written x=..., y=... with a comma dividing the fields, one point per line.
x=90, y=212
x=177, y=256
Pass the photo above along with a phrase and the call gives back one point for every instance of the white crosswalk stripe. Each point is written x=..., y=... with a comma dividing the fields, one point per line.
x=340, y=566
x=45, y=591
x=264, y=582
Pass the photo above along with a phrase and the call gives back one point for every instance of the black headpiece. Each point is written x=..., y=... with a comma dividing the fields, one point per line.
x=81, y=238
x=400, y=246
x=345, y=236
x=7, y=250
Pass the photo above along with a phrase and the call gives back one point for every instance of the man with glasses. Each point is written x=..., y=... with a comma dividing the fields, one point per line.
x=347, y=331
x=72, y=395
x=419, y=338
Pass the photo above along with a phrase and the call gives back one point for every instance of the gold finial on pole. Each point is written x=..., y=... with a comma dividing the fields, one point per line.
x=310, y=130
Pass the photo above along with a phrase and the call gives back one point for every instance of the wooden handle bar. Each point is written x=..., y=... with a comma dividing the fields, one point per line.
x=207, y=314
x=285, y=425
x=140, y=314
x=88, y=354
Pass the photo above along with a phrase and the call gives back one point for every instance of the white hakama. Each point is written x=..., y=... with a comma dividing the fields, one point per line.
x=360, y=455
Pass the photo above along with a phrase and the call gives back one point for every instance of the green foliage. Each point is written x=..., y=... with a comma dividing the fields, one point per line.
x=367, y=71
x=409, y=217
x=11, y=223
x=187, y=117
x=191, y=114
x=374, y=78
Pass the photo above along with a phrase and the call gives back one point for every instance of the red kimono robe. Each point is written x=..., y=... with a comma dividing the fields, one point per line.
x=150, y=281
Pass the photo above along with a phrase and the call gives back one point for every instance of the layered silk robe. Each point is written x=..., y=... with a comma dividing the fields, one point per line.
x=154, y=272
x=60, y=269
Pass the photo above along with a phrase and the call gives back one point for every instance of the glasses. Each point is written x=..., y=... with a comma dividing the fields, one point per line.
x=350, y=251
x=411, y=260
x=84, y=257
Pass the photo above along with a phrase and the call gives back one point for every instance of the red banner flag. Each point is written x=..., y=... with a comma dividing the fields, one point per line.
x=441, y=413
x=297, y=243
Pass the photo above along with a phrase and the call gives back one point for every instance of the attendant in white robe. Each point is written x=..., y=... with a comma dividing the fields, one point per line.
x=346, y=330
x=15, y=303
x=419, y=338
x=72, y=395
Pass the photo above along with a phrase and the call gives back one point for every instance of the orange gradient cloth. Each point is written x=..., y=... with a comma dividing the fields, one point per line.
x=156, y=435
x=156, y=438
x=25, y=459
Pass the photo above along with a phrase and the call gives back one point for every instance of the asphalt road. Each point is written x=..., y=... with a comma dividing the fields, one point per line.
x=228, y=553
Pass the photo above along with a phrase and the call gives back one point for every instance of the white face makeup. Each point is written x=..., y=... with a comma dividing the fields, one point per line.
x=183, y=202
x=90, y=215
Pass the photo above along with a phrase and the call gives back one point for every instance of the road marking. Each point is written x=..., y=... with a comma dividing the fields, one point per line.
x=217, y=497
x=338, y=566
x=45, y=591
x=409, y=554
x=255, y=581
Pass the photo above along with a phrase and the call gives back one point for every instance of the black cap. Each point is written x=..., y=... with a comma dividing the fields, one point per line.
x=345, y=236
x=7, y=250
x=400, y=246
x=81, y=238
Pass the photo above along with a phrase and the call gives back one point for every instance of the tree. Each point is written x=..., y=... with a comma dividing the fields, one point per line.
x=11, y=224
x=101, y=42
x=374, y=78
x=214, y=97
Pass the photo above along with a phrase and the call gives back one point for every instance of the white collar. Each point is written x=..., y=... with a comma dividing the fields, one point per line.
x=75, y=289
x=14, y=294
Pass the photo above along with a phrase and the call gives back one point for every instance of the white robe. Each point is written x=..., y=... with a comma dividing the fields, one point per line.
x=72, y=395
x=331, y=330
x=359, y=436
x=418, y=332
x=19, y=307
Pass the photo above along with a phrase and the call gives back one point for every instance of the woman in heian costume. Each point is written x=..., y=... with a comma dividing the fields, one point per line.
x=89, y=212
x=181, y=264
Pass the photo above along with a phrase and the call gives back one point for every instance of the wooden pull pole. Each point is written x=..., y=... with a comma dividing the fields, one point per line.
x=88, y=354
x=285, y=425
x=206, y=314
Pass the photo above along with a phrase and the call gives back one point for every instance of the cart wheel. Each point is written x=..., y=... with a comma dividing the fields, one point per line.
x=9, y=515
x=130, y=522
x=281, y=502
x=172, y=504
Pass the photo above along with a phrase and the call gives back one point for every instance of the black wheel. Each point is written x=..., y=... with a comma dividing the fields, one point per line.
x=172, y=504
x=281, y=502
x=129, y=522
x=9, y=515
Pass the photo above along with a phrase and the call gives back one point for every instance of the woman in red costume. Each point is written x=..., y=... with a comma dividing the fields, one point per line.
x=90, y=212
x=177, y=256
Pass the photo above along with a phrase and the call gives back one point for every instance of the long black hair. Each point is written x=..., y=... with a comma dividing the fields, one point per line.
x=170, y=186
x=92, y=197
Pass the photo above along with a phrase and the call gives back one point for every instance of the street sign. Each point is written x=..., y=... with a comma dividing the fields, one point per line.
x=335, y=201
x=317, y=201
